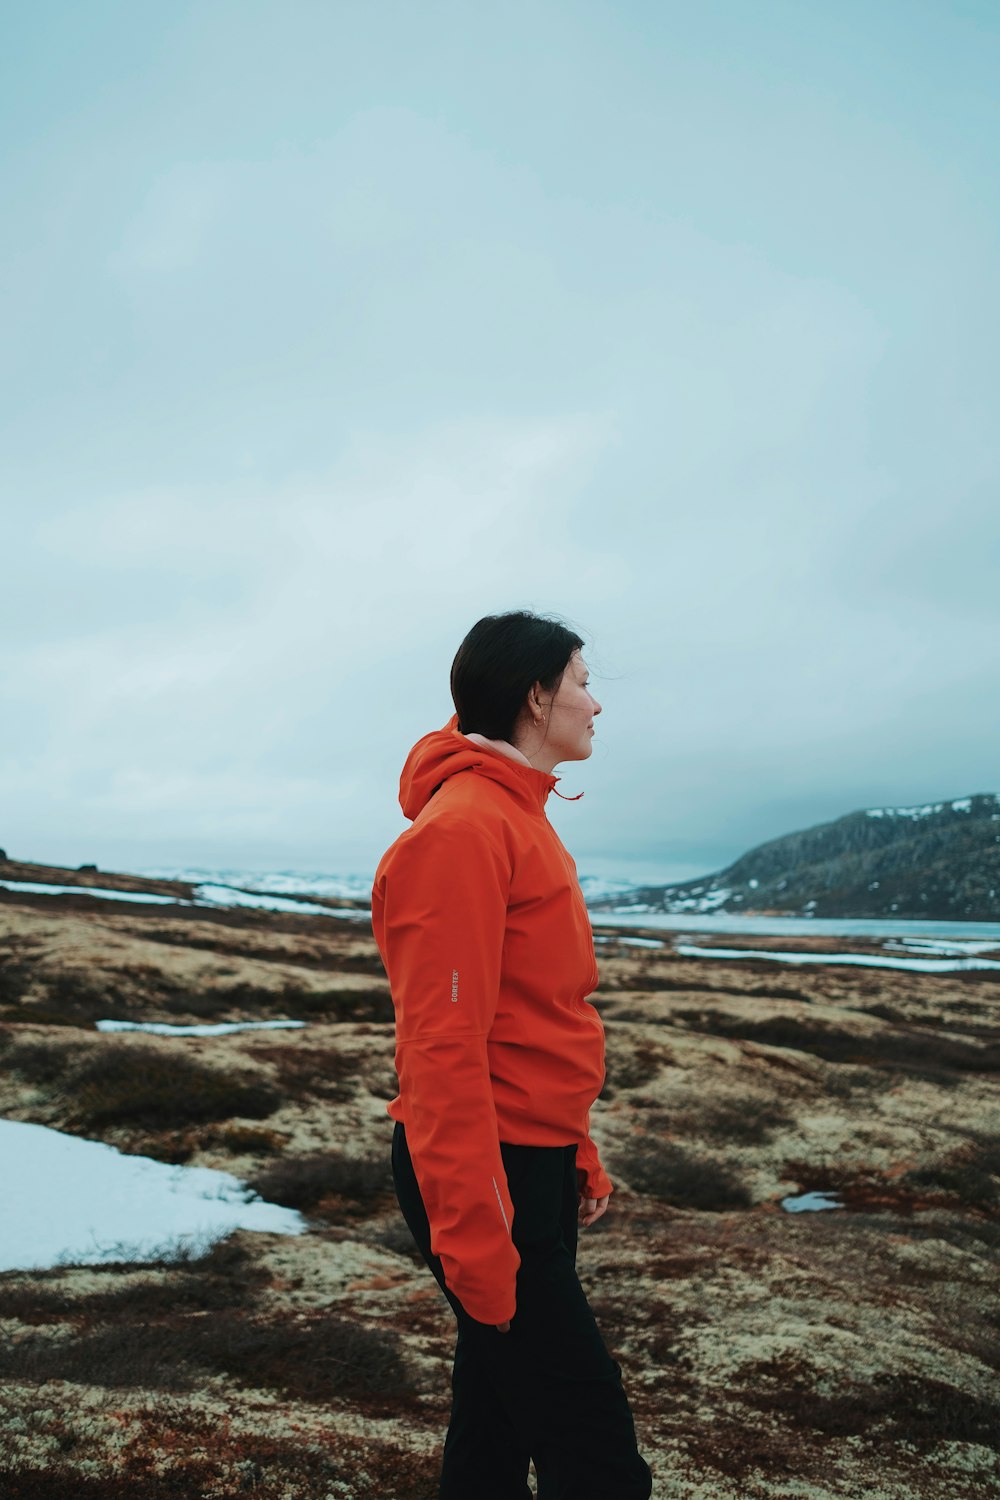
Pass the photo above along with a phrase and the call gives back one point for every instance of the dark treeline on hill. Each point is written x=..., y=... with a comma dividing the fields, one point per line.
x=940, y=862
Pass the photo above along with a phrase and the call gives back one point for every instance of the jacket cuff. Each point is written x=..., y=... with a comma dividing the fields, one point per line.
x=497, y=1309
x=595, y=1183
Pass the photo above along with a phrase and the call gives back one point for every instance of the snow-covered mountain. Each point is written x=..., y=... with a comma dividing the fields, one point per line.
x=940, y=860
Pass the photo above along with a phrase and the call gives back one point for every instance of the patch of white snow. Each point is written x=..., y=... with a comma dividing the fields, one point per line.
x=227, y=895
x=218, y=1028
x=82, y=1202
x=38, y=888
x=806, y=1202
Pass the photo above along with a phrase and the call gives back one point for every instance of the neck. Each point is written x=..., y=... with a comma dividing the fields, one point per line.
x=541, y=759
x=503, y=747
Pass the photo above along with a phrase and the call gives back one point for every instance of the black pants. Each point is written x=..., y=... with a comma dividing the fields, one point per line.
x=548, y=1390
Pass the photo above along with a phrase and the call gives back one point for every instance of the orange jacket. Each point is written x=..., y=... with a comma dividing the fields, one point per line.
x=479, y=917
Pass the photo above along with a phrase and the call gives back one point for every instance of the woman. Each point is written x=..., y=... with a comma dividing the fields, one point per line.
x=482, y=927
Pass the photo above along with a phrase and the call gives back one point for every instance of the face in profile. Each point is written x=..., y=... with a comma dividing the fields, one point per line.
x=571, y=714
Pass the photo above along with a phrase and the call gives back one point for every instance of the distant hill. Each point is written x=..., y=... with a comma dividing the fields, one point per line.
x=939, y=862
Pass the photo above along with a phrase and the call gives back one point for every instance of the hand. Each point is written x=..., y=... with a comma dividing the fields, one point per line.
x=591, y=1209
x=504, y=1327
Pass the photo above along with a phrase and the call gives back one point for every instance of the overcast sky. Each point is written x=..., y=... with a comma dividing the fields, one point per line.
x=330, y=328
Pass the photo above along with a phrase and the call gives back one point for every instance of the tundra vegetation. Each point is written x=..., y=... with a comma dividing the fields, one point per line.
x=767, y=1353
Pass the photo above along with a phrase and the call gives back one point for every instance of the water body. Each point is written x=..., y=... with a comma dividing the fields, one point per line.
x=873, y=927
x=212, y=893
x=359, y=887
x=76, y=1202
x=950, y=965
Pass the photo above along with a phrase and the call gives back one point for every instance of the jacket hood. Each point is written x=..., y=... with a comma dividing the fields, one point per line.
x=445, y=752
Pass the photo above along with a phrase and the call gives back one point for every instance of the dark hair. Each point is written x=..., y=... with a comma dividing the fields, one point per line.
x=501, y=658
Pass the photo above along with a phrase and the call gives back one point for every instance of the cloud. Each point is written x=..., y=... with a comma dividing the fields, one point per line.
x=247, y=714
x=177, y=216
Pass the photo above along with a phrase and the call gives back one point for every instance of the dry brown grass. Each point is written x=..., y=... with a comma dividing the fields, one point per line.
x=917, y=1051
x=679, y=1175
x=767, y=1355
x=325, y=1178
x=156, y=1088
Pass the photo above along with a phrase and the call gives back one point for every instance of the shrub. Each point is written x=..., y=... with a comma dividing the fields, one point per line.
x=970, y=1174
x=226, y=1275
x=665, y=1170
x=889, y=1408
x=312, y=1072
x=382, y=1082
x=630, y=1069
x=138, y=1084
x=249, y=1140
x=27, y=1482
x=71, y=997
x=38, y=1061
x=973, y=1236
x=292, y=1001
x=249, y=999
x=844, y=1083
x=303, y=1181
x=30, y=1303
x=15, y=981
x=914, y=1050
x=314, y=1358
x=240, y=1463
x=44, y=1015
x=79, y=995
x=122, y=1355
x=396, y=1237
x=373, y=1004
x=749, y=1122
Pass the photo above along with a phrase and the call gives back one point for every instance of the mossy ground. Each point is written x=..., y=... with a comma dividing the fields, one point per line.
x=767, y=1355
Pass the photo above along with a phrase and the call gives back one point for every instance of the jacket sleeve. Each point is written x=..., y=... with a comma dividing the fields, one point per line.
x=594, y=1182
x=444, y=898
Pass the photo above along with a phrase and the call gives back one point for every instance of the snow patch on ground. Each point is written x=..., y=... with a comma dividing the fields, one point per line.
x=218, y=1028
x=78, y=1202
x=627, y=942
x=948, y=947
x=38, y=888
x=227, y=895
x=204, y=895
x=810, y=1202
x=280, y=882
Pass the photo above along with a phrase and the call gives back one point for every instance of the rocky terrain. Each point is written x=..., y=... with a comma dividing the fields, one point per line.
x=937, y=862
x=767, y=1353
